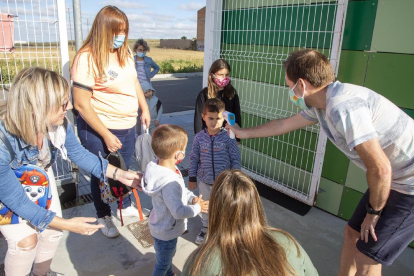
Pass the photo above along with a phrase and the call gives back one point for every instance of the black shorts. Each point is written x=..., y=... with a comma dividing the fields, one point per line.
x=394, y=229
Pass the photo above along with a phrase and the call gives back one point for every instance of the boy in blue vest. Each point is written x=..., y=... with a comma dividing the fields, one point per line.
x=213, y=151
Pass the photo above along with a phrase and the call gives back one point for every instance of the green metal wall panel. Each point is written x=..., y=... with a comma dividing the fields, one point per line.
x=274, y=169
x=329, y=196
x=359, y=25
x=258, y=62
x=350, y=200
x=273, y=99
x=309, y=26
x=390, y=75
x=352, y=67
x=356, y=178
x=409, y=112
x=245, y=4
x=393, y=30
x=335, y=164
x=283, y=147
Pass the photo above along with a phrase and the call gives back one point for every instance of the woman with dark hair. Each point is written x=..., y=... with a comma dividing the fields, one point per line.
x=239, y=240
x=219, y=86
x=107, y=95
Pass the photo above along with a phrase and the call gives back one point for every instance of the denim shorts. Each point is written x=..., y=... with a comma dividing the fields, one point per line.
x=394, y=229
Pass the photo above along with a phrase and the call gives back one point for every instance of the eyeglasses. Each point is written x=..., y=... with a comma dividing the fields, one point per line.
x=65, y=105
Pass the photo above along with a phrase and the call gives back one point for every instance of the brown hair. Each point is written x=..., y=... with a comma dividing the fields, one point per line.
x=310, y=65
x=108, y=22
x=213, y=105
x=34, y=94
x=167, y=140
x=242, y=236
x=212, y=87
x=140, y=42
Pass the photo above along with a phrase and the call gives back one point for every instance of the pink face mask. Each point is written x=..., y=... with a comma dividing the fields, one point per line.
x=221, y=82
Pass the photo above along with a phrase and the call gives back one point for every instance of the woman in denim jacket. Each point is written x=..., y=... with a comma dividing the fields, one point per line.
x=144, y=64
x=33, y=114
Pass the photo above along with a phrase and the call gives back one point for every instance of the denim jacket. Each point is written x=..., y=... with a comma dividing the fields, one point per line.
x=11, y=191
x=148, y=64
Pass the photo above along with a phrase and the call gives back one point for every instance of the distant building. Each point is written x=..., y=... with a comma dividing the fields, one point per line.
x=201, y=24
x=6, y=32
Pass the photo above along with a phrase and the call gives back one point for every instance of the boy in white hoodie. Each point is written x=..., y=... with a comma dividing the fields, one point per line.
x=170, y=198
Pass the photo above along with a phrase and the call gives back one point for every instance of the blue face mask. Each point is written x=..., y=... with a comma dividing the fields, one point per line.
x=141, y=54
x=118, y=41
x=298, y=101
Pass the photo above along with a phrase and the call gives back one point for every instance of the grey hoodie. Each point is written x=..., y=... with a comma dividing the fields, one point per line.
x=168, y=218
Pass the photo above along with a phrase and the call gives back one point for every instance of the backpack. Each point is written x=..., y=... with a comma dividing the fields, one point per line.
x=35, y=182
x=113, y=190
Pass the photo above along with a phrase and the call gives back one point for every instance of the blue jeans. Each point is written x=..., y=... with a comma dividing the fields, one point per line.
x=164, y=253
x=93, y=142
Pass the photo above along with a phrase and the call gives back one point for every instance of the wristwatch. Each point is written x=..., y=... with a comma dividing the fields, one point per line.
x=371, y=211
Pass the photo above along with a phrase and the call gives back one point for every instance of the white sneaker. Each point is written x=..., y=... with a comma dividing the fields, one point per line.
x=110, y=229
x=132, y=211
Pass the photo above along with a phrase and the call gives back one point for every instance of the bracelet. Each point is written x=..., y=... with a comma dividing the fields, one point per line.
x=114, y=176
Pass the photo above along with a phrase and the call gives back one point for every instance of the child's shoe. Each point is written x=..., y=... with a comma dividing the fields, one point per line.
x=200, y=238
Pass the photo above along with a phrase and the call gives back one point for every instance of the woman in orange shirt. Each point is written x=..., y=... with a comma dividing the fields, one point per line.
x=107, y=95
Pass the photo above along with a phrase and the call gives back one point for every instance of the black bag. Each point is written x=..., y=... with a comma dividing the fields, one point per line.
x=113, y=190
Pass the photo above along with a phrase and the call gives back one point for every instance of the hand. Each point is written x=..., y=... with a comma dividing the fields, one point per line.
x=192, y=185
x=156, y=123
x=112, y=142
x=129, y=178
x=236, y=129
x=146, y=118
x=368, y=227
x=203, y=204
x=82, y=225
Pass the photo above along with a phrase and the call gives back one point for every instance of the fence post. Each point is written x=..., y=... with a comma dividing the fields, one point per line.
x=77, y=19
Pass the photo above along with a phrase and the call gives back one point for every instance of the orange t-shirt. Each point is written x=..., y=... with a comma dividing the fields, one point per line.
x=114, y=98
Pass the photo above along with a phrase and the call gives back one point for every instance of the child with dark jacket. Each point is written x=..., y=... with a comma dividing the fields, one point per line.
x=213, y=151
x=220, y=87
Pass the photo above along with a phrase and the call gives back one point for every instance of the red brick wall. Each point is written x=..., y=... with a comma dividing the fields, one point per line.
x=201, y=21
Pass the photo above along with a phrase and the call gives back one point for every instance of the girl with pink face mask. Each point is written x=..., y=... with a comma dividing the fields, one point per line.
x=219, y=86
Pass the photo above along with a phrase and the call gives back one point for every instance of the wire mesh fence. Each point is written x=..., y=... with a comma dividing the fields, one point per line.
x=255, y=37
x=30, y=36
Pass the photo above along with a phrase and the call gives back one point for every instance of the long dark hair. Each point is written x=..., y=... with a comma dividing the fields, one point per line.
x=212, y=87
x=242, y=236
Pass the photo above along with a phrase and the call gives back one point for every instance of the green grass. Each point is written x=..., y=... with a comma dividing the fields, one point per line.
x=8, y=68
x=180, y=66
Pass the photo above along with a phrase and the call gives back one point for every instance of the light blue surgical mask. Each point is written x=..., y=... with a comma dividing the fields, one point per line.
x=118, y=41
x=141, y=54
x=298, y=101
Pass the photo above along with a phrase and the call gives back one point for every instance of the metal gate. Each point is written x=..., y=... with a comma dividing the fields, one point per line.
x=33, y=33
x=255, y=37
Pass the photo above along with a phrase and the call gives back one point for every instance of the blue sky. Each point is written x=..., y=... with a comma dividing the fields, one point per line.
x=148, y=18
x=37, y=20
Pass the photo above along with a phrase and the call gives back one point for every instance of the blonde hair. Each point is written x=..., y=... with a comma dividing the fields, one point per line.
x=109, y=22
x=242, y=237
x=167, y=140
x=34, y=94
x=140, y=42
